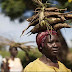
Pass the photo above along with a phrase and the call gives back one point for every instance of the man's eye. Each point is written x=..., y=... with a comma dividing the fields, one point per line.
x=50, y=42
x=57, y=41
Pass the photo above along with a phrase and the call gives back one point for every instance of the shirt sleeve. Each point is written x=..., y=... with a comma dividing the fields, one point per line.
x=4, y=60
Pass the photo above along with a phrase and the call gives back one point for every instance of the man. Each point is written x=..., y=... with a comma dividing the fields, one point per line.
x=49, y=45
x=0, y=61
x=12, y=64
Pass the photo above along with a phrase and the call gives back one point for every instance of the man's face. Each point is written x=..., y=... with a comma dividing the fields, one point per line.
x=51, y=46
x=14, y=52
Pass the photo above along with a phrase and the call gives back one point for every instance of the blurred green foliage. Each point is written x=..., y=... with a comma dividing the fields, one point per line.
x=65, y=4
x=33, y=54
x=13, y=8
x=70, y=49
x=16, y=8
x=21, y=54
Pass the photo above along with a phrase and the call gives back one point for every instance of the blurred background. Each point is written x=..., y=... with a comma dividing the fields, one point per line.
x=13, y=15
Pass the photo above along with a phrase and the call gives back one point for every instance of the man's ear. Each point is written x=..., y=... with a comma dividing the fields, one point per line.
x=40, y=49
x=41, y=46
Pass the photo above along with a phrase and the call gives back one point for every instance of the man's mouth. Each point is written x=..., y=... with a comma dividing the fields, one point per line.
x=55, y=50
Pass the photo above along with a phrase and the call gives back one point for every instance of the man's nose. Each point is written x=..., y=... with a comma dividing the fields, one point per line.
x=55, y=44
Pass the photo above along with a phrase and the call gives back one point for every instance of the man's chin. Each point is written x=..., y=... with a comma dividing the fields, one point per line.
x=14, y=55
x=55, y=53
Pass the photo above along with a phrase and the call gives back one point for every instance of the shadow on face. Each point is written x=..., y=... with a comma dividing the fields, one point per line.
x=51, y=46
x=13, y=51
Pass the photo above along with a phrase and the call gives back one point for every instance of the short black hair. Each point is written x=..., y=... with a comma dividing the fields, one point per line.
x=11, y=47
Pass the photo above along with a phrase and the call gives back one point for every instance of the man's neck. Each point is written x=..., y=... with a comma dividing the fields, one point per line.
x=49, y=61
x=50, y=58
x=12, y=57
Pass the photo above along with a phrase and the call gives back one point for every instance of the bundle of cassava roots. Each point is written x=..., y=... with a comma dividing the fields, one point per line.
x=48, y=18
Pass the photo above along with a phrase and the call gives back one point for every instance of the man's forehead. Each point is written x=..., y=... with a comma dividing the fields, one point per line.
x=13, y=48
x=51, y=37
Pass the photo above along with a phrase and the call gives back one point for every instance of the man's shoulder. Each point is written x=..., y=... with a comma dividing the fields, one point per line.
x=33, y=63
x=17, y=58
x=31, y=66
x=63, y=66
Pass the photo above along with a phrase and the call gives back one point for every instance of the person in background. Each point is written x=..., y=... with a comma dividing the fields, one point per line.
x=12, y=64
x=49, y=45
x=0, y=61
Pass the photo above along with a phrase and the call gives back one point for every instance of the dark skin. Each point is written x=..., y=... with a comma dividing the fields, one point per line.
x=13, y=52
x=50, y=49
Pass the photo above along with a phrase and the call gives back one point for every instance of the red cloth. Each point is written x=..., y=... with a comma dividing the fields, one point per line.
x=41, y=36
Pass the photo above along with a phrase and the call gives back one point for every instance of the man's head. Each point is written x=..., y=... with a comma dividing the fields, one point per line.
x=48, y=45
x=13, y=51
